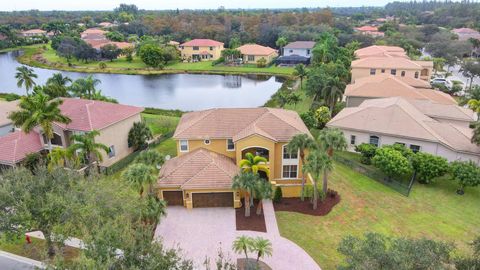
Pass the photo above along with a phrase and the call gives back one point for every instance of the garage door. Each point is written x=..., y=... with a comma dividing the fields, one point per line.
x=213, y=199
x=173, y=197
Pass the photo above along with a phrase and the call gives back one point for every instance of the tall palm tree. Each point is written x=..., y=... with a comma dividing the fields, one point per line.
x=61, y=157
x=87, y=148
x=474, y=105
x=85, y=87
x=300, y=143
x=24, y=76
x=139, y=175
x=263, y=191
x=59, y=79
x=243, y=244
x=317, y=162
x=38, y=110
x=301, y=72
x=262, y=246
x=254, y=164
x=333, y=91
x=281, y=42
x=247, y=182
x=330, y=140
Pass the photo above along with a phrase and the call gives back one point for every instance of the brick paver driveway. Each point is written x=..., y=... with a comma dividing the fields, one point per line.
x=201, y=232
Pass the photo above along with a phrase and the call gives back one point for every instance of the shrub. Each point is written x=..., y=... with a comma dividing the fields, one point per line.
x=322, y=116
x=102, y=65
x=150, y=157
x=467, y=173
x=332, y=193
x=138, y=135
x=391, y=162
x=428, y=167
x=406, y=152
x=367, y=151
x=32, y=161
x=278, y=195
x=218, y=61
x=262, y=62
x=309, y=119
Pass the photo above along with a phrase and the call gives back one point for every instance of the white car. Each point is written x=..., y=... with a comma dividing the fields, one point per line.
x=441, y=81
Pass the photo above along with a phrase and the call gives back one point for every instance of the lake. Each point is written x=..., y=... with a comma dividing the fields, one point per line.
x=187, y=92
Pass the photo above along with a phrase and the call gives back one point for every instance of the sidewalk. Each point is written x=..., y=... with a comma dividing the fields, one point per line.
x=9, y=261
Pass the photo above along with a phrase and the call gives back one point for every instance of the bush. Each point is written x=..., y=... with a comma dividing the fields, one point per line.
x=9, y=96
x=467, y=173
x=278, y=195
x=262, y=62
x=367, y=151
x=102, y=65
x=406, y=152
x=309, y=191
x=309, y=119
x=218, y=61
x=391, y=162
x=32, y=161
x=428, y=167
x=322, y=116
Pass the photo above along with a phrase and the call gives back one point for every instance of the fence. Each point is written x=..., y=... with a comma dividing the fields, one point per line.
x=402, y=187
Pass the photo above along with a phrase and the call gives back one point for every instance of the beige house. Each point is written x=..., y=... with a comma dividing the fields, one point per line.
x=112, y=121
x=210, y=146
x=386, y=85
x=387, y=60
x=6, y=108
x=415, y=124
x=251, y=53
x=33, y=33
x=201, y=50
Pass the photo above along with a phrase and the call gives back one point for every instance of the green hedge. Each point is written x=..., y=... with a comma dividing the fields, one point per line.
x=176, y=113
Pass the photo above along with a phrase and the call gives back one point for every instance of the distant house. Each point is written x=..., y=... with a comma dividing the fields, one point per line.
x=93, y=34
x=106, y=24
x=6, y=108
x=384, y=59
x=33, y=33
x=415, y=124
x=251, y=53
x=386, y=85
x=370, y=31
x=201, y=50
x=174, y=43
x=113, y=121
x=298, y=52
x=96, y=38
x=466, y=33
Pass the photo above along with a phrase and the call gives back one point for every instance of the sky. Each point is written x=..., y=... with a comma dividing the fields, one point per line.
x=9, y=5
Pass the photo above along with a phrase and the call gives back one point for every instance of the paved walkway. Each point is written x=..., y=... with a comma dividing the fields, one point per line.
x=201, y=232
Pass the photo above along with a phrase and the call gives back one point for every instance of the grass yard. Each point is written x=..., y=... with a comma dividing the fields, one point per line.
x=433, y=211
x=304, y=104
x=161, y=124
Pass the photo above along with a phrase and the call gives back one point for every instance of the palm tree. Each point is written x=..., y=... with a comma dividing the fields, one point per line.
x=38, y=110
x=153, y=210
x=254, y=164
x=281, y=42
x=263, y=191
x=333, y=91
x=25, y=77
x=139, y=175
x=87, y=148
x=262, y=247
x=330, y=140
x=474, y=105
x=243, y=244
x=317, y=162
x=61, y=157
x=85, y=87
x=300, y=143
x=246, y=182
x=300, y=72
x=56, y=85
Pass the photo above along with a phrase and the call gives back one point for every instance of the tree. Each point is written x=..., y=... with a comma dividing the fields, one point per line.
x=330, y=140
x=322, y=116
x=301, y=72
x=438, y=64
x=40, y=201
x=317, y=163
x=61, y=157
x=263, y=191
x=151, y=55
x=231, y=54
x=281, y=42
x=262, y=246
x=39, y=110
x=428, y=166
x=293, y=98
x=262, y=62
x=367, y=151
x=56, y=86
x=301, y=143
x=471, y=70
x=234, y=43
x=110, y=51
x=333, y=92
x=86, y=147
x=376, y=251
x=254, y=164
x=85, y=87
x=243, y=244
x=139, y=175
x=150, y=157
x=466, y=173
x=128, y=52
x=115, y=36
x=25, y=76
x=474, y=105
x=391, y=162
x=139, y=135
x=247, y=182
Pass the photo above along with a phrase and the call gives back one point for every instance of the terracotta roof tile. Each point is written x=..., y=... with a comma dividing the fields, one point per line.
x=255, y=49
x=381, y=51
x=202, y=43
x=14, y=147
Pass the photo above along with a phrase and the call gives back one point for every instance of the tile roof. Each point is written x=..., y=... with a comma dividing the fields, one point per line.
x=381, y=51
x=388, y=62
x=255, y=49
x=300, y=45
x=202, y=43
x=399, y=118
x=5, y=109
x=34, y=31
x=465, y=31
x=367, y=28
x=275, y=124
x=199, y=169
x=15, y=146
x=99, y=43
x=88, y=115
x=444, y=111
x=386, y=85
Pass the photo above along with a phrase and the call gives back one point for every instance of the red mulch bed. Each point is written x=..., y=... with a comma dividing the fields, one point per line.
x=252, y=223
x=305, y=207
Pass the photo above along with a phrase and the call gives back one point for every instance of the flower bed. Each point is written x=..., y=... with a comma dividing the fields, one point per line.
x=252, y=223
x=306, y=207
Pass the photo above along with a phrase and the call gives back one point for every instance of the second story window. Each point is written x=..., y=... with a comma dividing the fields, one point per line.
x=416, y=75
x=415, y=148
x=403, y=74
x=393, y=72
x=196, y=48
x=183, y=146
x=373, y=71
x=383, y=70
x=288, y=155
x=211, y=48
x=230, y=145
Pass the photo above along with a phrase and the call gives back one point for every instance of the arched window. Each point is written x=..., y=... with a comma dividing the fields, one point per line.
x=416, y=75
x=403, y=74
x=374, y=140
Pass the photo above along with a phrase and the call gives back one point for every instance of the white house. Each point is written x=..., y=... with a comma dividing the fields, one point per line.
x=300, y=48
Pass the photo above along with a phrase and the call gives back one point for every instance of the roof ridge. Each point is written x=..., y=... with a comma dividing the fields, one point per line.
x=271, y=109
x=185, y=161
x=203, y=169
x=196, y=121
x=88, y=114
x=15, y=149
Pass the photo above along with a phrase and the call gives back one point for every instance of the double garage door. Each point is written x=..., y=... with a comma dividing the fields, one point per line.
x=210, y=199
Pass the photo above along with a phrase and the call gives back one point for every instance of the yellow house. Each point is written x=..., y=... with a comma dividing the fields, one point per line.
x=251, y=53
x=210, y=146
x=201, y=50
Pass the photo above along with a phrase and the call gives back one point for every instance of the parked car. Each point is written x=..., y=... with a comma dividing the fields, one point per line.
x=442, y=81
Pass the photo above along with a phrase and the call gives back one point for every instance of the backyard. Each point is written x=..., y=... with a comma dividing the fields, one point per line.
x=433, y=211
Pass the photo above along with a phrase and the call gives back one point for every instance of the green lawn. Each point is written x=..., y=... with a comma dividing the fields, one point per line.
x=433, y=211
x=304, y=104
x=161, y=124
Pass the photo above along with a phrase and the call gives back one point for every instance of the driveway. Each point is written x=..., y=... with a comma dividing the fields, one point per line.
x=201, y=232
